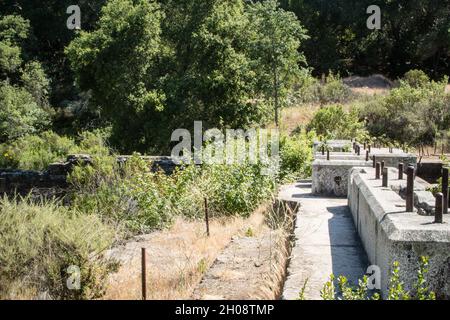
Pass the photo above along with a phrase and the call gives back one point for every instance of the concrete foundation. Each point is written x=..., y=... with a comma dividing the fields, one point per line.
x=390, y=234
x=330, y=177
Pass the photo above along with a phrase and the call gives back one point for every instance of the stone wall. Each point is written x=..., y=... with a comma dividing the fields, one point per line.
x=53, y=182
x=389, y=234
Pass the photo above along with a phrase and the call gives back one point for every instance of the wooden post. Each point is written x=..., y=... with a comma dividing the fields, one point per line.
x=438, y=216
x=401, y=168
x=377, y=171
x=323, y=150
x=445, y=189
x=367, y=155
x=328, y=155
x=144, y=274
x=374, y=161
x=385, y=177
x=206, y=217
x=410, y=190
x=382, y=167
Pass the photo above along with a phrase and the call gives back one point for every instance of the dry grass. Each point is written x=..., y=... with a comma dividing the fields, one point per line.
x=370, y=91
x=292, y=117
x=176, y=258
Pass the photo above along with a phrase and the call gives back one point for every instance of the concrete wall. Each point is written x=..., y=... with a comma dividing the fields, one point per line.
x=389, y=234
x=335, y=145
x=331, y=177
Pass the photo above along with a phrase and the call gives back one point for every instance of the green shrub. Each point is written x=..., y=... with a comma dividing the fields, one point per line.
x=39, y=242
x=333, y=122
x=333, y=90
x=19, y=113
x=36, y=152
x=130, y=195
x=411, y=114
x=144, y=201
x=416, y=78
x=396, y=290
x=296, y=156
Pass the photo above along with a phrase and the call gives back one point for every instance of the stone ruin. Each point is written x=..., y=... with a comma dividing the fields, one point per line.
x=330, y=177
x=52, y=182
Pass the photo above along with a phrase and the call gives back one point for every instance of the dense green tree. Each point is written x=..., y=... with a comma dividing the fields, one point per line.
x=19, y=113
x=275, y=50
x=23, y=84
x=50, y=35
x=212, y=78
x=118, y=63
x=414, y=34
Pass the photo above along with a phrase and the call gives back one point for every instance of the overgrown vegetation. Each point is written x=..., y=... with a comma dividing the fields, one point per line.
x=39, y=242
x=396, y=290
x=36, y=152
x=140, y=69
x=333, y=122
x=415, y=113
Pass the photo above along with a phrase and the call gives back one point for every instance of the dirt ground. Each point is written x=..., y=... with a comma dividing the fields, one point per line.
x=249, y=268
x=176, y=258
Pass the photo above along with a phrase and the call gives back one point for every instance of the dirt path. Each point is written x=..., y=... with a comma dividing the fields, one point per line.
x=249, y=268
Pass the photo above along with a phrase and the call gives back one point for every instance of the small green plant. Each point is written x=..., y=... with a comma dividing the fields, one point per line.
x=421, y=288
x=202, y=266
x=328, y=291
x=302, y=294
x=249, y=233
x=396, y=290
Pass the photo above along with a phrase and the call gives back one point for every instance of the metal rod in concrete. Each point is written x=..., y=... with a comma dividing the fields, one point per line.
x=377, y=171
x=382, y=167
x=367, y=155
x=374, y=161
x=410, y=189
x=445, y=189
x=385, y=177
x=359, y=150
x=438, y=216
x=323, y=150
x=401, y=168
x=328, y=155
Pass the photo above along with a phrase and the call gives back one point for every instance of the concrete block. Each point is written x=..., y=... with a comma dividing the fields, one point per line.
x=389, y=234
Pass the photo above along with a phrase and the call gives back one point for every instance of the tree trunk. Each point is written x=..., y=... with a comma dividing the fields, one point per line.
x=275, y=93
